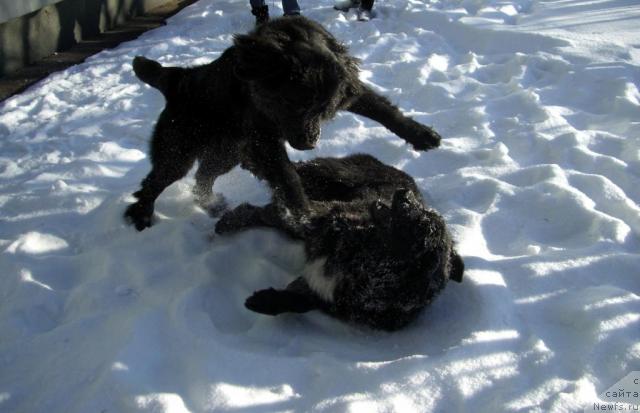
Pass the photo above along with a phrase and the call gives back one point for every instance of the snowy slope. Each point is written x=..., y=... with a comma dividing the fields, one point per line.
x=538, y=176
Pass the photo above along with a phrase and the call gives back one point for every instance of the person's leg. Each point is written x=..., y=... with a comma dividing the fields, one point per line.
x=260, y=10
x=364, y=11
x=366, y=4
x=345, y=5
x=290, y=7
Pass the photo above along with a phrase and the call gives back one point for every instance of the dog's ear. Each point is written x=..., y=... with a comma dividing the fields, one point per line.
x=258, y=58
x=405, y=204
x=457, y=266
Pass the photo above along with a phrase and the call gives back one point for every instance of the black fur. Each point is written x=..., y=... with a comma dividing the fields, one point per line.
x=386, y=254
x=275, y=84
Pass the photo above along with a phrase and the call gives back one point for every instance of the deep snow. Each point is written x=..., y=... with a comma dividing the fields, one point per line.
x=538, y=177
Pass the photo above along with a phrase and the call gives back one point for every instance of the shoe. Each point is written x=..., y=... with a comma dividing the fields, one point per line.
x=365, y=15
x=261, y=13
x=345, y=5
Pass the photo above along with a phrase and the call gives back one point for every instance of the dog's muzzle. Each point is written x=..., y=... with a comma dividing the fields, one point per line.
x=303, y=145
x=307, y=139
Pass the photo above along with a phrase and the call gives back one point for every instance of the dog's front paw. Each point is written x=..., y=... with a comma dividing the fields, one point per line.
x=239, y=218
x=265, y=302
x=139, y=215
x=421, y=137
x=228, y=223
x=292, y=221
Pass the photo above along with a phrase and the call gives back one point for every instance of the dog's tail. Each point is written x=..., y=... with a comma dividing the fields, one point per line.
x=149, y=71
x=165, y=79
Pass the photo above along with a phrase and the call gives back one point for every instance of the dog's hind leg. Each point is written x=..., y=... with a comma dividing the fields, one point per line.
x=296, y=298
x=141, y=212
x=377, y=107
x=170, y=161
x=211, y=166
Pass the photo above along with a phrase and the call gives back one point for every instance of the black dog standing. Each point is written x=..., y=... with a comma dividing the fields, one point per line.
x=275, y=84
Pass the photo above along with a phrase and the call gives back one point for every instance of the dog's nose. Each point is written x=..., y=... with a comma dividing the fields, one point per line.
x=307, y=140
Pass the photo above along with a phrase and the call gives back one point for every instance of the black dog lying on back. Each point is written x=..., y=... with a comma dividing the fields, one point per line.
x=276, y=84
x=375, y=254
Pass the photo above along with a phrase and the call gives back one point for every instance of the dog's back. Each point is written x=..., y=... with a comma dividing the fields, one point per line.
x=356, y=177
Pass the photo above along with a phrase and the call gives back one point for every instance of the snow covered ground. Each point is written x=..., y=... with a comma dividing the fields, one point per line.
x=538, y=176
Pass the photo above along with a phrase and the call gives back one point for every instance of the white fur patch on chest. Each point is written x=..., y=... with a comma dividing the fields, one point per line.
x=322, y=285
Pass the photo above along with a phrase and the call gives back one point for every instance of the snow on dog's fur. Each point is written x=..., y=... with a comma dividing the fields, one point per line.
x=375, y=254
